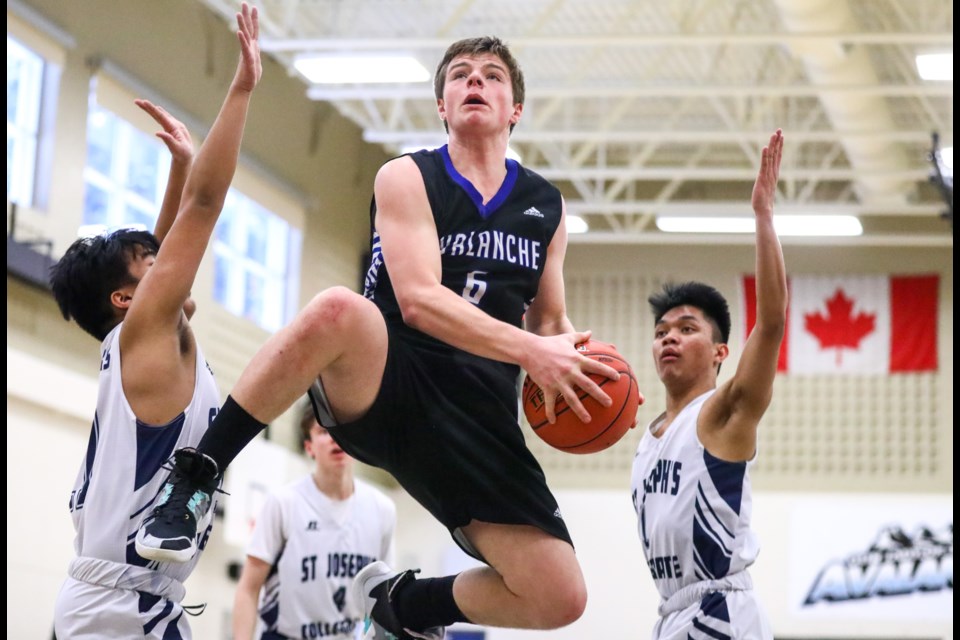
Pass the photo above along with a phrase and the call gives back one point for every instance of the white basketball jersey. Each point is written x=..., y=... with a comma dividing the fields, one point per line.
x=316, y=546
x=693, y=510
x=123, y=471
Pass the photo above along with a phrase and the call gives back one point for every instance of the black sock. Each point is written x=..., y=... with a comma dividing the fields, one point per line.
x=232, y=429
x=426, y=603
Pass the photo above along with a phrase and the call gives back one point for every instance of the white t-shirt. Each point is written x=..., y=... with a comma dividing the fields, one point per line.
x=316, y=546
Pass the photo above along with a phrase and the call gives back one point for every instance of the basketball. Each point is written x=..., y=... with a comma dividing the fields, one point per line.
x=607, y=424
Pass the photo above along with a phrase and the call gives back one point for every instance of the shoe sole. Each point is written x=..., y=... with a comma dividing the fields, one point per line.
x=163, y=555
x=359, y=591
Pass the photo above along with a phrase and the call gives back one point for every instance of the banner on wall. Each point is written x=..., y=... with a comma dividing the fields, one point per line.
x=889, y=558
x=856, y=324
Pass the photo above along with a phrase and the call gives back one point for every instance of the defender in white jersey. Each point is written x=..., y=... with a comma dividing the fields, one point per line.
x=157, y=396
x=310, y=540
x=690, y=481
x=109, y=582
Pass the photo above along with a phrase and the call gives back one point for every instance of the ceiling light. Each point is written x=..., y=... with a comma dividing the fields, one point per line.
x=786, y=225
x=935, y=66
x=946, y=157
x=359, y=69
x=576, y=224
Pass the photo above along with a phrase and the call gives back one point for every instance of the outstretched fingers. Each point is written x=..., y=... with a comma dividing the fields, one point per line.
x=175, y=134
x=248, y=33
x=765, y=187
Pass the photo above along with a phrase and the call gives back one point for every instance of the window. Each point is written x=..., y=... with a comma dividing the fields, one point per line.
x=256, y=252
x=125, y=175
x=256, y=259
x=24, y=92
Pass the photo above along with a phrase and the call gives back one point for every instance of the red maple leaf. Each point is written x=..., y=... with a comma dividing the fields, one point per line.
x=840, y=328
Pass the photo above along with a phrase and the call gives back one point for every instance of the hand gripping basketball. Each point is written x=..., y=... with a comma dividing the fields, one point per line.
x=607, y=424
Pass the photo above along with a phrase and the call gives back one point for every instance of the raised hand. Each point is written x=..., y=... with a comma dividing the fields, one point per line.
x=765, y=187
x=249, y=69
x=175, y=134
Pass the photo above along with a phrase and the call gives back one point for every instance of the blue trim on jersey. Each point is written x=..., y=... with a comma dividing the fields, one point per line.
x=703, y=502
x=485, y=210
x=131, y=555
x=708, y=528
x=270, y=616
x=147, y=601
x=713, y=633
x=373, y=271
x=708, y=554
x=172, y=632
x=714, y=604
x=77, y=499
x=167, y=608
x=155, y=445
x=727, y=478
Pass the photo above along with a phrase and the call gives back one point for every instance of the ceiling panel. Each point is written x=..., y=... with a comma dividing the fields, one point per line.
x=640, y=107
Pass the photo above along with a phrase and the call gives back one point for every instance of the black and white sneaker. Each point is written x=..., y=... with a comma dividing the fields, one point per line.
x=169, y=532
x=374, y=588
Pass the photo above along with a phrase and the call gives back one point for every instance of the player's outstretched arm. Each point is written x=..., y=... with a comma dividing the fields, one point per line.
x=168, y=283
x=736, y=409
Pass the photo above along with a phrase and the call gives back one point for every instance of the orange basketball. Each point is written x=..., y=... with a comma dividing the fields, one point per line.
x=607, y=424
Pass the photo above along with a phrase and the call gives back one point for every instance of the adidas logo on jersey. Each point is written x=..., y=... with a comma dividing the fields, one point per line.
x=533, y=211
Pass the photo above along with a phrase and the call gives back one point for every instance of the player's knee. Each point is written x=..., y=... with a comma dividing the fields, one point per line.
x=567, y=605
x=332, y=311
x=559, y=605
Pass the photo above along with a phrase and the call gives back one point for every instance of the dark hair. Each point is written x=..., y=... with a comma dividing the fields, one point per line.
x=91, y=270
x=474, y=47
x=307, y=420
x=696, y=294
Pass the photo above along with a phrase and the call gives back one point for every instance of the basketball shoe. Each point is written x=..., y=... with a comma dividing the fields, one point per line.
x=169, y=533
x=375, y=587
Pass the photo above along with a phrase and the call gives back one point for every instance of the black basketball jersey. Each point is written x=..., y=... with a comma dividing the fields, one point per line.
x=491, y=254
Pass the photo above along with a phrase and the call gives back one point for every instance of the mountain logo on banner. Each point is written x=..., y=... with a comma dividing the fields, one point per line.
x=895, y=564
x=840, y=328
x=849, y=324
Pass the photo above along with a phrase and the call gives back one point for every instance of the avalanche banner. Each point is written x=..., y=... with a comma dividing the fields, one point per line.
x=856, y=324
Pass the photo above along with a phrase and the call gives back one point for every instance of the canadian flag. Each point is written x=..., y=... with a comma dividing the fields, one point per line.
x=856, y=324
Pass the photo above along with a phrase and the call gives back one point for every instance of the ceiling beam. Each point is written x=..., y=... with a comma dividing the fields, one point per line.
x=643, y=40
x=620, y=137
x=722, y=173
x=748, y=239
x=714, y=208
x=425, y=91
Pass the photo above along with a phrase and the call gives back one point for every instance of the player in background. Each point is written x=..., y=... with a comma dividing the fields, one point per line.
x=310, y=540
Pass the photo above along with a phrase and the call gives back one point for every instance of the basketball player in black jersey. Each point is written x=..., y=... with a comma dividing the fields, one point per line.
x=419, y=375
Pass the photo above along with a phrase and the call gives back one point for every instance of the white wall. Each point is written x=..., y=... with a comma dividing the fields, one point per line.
x=622, y=601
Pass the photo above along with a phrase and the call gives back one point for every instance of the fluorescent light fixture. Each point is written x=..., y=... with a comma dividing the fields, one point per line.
x=786, y=225
x=946, y=157
x=333, y=68
x=576, y=224
x=935, y=66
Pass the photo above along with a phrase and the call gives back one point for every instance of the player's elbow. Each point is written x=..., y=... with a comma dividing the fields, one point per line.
x=772, y=328
x=414, y=311
x=417, y=306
